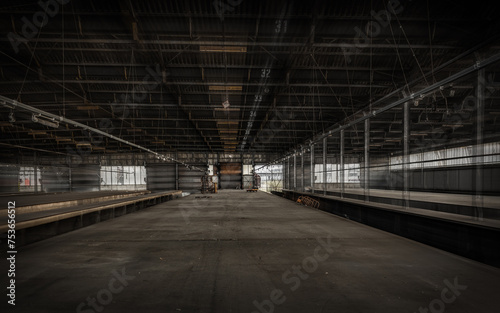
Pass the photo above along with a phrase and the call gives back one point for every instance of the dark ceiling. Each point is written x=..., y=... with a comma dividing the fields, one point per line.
x=156, y=73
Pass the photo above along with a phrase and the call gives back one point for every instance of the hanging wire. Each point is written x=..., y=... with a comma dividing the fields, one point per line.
x=432, y=56
x=31, y=60
x=331, y=89
x=411, y=49
x=371, y=63
x=63, y=61
x=126, y=98
x=399, y=59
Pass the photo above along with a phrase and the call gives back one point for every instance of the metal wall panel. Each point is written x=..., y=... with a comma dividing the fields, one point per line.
x=456, y=179
x=86, y=177
x=190, y=179
x=9, y=176
x=160, y=177
x=230, y=175
x=55, y=179
x=466, y=180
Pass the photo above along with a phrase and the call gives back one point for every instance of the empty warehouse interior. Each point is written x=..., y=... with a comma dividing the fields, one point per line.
x=249, y=156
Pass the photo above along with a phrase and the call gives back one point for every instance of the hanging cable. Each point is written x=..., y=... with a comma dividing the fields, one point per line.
x=399, y=59
x=331, y=89
x=412, y=51
x=63, y=62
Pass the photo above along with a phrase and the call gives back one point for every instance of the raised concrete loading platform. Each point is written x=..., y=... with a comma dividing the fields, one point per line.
x=474, y=237
x=241, y=252
x=38, y=218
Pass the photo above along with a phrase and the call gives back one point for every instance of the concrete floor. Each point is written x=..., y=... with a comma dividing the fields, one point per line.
x=237, y=252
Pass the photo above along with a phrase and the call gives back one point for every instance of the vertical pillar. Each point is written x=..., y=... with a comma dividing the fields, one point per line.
x=283, y=167
x=342, y=163
x=366, y=174
x=135, y=176
x=100, y=171
x=289, y=178
x=302, y=166
x=288, y=173
x=36, y=178
x=295, y=171
x=283, y=175
x=176, y=172
x=406, y=156
x=70, y=175
x=242, y=158
x=112, y=171
x=478, y=146
x=312, y=168
x=36, y=172
x=218, y=171
x=324, y=163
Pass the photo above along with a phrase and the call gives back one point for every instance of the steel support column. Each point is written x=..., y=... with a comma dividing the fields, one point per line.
x=135, y=170
x=302, y=165
x=324, y=164
x=288, y=182
x=295, y=171
x=342, y=163
x=312, y=168
x=100, y=166
x=366, y=174
x=284, y=175
x=36, y=172
x=406, y=155
x=176, y=172
x=478, y=146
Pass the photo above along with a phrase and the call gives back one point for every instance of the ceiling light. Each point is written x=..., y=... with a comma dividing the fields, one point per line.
x=41, y=120
x=226, y=104
x=225, y=88
x=236, y=49
x=37, y=132
x=59, y=139
x=80, y=144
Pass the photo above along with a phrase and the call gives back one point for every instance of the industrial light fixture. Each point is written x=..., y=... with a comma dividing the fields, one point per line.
x=239, y=49
x=83, y=144
x=37, y=132
x=59, y=139
x=225, y=88
x=226, y=104
x=44, y=121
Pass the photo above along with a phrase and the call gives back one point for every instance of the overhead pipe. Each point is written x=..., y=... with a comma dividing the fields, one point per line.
x=10, y=103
